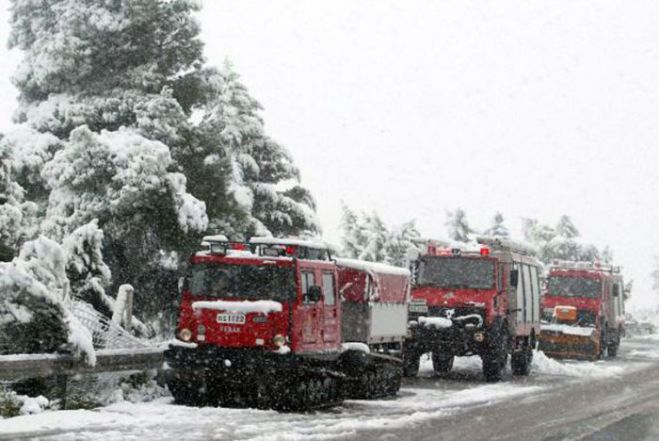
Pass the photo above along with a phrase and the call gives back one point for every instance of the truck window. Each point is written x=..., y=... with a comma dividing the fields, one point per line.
x=242, y=281
x=573, y=287
x=456, y=272
x=328, y=288
x=307, y=279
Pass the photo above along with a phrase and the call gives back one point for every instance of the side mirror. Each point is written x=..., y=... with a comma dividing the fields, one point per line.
x=314, y=294
x=181, y=284
x=514, y=278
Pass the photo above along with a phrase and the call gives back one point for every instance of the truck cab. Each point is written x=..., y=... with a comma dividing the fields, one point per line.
x=267, y=309
x=596, y=292
x=475, y=302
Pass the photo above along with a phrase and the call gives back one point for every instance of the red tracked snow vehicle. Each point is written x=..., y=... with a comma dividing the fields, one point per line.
x=261, y=325
x=484, y=302
x=583, y=310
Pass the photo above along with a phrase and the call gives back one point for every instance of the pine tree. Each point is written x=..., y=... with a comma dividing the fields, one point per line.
x=565, y=228
x=458, y=228
x=353, y=239
x=400, y=241
x=498, y=229
x=123, y=124
x=377, y=237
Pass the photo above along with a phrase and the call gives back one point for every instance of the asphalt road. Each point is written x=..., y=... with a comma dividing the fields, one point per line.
x=620, y=408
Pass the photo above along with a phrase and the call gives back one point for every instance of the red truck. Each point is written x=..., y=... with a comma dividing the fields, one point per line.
x=583, y=310
x=262, y=324
x=484, y=302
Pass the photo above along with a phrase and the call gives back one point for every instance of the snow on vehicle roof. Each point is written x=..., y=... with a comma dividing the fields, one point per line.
x=375, y=267
x=215, y=238
x=260, y=306
x=288, y=241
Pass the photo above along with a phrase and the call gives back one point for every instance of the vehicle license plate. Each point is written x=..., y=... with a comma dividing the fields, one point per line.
x=234, y=319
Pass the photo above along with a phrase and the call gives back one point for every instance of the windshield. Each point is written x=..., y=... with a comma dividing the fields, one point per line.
x=242, y=281
x=452, y=272
x=573, y=287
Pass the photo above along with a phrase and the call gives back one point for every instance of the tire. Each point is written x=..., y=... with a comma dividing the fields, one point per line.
x=411, y=363
x=184, y=393
x=613, y=347
x=496, y=356
x=604, y=344
x=520, y=362
x=442, y=364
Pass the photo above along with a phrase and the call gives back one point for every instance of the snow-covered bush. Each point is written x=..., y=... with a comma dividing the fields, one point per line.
x=33, y=313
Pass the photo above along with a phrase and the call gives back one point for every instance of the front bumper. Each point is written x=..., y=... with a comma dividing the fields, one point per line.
x=457, y=340
x=228, y=364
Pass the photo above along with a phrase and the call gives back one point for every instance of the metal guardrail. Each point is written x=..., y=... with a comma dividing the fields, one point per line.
x=16, y=367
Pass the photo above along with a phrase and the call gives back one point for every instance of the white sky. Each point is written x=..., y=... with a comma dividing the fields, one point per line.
x=533, y=108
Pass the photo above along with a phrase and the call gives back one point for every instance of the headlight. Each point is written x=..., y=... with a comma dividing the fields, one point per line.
x=185, y=334
x=279, y=340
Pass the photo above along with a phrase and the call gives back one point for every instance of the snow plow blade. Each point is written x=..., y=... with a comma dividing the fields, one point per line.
x=570, y=342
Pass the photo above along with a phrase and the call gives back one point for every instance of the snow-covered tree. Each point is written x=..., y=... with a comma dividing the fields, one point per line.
x=498, y=229
x=122, y=123
x=565, y=228
x=561, y=242
x=457, y=225
x=263, y=179
x=353, y=238
x=366, y=237
x=400, y=241
x=376, y=239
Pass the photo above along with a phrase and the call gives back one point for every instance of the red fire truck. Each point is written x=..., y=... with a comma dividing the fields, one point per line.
x=260, y=324
x=484, y=302
x=584, y=310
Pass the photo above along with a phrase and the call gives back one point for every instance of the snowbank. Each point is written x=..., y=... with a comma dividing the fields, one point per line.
x=549, y=366
x=260, y=306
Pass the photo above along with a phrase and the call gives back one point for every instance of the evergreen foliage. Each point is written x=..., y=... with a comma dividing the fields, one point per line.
x=366, y=237
x=131, y=148
x=458, y=227
x=498, y=229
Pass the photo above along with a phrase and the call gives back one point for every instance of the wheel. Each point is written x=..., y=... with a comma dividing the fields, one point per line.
x=520, y=362
x=262, y=396
x=613, y=347
x=442, y=363
x=496, y=356
x=186, y=393
x=604, y=346
x=411, y=363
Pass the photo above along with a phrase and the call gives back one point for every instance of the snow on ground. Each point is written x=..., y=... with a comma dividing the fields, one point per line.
x=569, y=368
x=161, y=419
x=542, y=365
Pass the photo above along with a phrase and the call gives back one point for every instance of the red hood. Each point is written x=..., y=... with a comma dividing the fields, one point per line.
x=259, y=333
x=456, y=298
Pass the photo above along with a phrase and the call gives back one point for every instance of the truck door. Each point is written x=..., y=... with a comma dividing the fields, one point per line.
x=331, y=324
x=528, y=294
x=517, y=305
x=310, y=312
